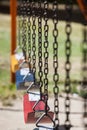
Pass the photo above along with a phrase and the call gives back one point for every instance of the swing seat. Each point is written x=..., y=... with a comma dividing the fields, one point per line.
x=23, y=78
x=30, y=115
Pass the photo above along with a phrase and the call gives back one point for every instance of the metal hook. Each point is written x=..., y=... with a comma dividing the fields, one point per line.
x=41, y=118
x=24, y=61
x=41, y=100
x=32, y=85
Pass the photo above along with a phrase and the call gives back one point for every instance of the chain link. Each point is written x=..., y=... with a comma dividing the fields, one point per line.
x=29, y=30
x=19, y=8
x=40, y=73
x=68, y=30
x=55, y=63
x=84, y=74
x=46, y=54
x=24, y=29
x=46, y=44
x=84, y=60
x=33, y=38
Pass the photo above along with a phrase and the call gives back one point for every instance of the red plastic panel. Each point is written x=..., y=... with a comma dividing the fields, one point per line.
x=28, y=109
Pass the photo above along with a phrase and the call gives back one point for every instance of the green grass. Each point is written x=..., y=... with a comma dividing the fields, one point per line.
x=4, y=77
x=5, y=57
x=5, y=43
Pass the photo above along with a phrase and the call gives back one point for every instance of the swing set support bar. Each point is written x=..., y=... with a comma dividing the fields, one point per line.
x=13, y=11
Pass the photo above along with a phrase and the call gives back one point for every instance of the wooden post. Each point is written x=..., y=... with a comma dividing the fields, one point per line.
x=13, y=12
x=83, y=7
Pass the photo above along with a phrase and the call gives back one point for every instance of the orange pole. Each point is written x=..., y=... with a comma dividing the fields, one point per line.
x=13, y=12
x=83, y=7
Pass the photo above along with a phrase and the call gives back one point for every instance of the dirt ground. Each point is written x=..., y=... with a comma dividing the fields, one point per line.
x=11, y=118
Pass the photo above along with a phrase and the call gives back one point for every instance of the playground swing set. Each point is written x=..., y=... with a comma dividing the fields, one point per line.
x=23, y=60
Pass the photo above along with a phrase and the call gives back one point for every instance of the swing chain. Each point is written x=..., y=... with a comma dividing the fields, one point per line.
x=46, y=54
x=24, y=29
x=84, y=74
x=29, y=30
x=84, y=60
x=19, y=8
x=55, y=63
x=68, y=30
x=33, y=38
x=40, y=73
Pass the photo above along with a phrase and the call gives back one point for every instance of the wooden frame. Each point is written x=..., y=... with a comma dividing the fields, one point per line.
x=83, y=7
x=13, y=11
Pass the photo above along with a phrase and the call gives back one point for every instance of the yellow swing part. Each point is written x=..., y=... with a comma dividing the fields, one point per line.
x=16, y=60
x=14, y=64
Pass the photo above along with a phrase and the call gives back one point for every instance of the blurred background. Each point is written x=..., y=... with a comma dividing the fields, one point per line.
x=9, y=96
x=5, y=47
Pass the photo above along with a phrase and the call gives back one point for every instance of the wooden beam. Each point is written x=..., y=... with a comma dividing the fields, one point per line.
x=83, y=7
x=13, y=12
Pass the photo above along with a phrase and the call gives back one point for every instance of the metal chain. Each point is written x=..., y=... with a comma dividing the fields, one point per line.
x=84, y=60
x=46, y=54
x=84, y=74
x=24, y=29
x=40, y=64
x=29, y=30
x=68, y=30
x=55, y=63
x=19, y=9
x=33, y=38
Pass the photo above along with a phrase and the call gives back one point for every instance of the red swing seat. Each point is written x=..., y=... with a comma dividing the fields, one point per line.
x=30, y=116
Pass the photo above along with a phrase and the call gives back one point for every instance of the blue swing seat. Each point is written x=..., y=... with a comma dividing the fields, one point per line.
x=23, y=80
